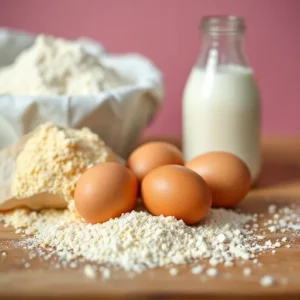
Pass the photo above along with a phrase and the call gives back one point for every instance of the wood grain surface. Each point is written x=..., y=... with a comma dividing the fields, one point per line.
x=279, y=183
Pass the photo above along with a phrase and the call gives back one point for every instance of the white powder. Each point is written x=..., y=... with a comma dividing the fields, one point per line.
x=73, y=265
x=272, y=229
x=221, y=238
x=90, y=272
x=134, y=241
x=53, y=66
x=267, y=281
x=138, y=241
x=272, y=209
x=212, y=272
x=247, y=271
x=106, y=273
x=173, y=272
x=197, y=270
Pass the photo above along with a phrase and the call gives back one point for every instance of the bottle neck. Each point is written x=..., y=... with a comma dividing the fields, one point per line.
x=222, y=49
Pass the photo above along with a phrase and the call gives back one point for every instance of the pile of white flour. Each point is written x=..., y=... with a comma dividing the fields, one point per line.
x=137, y=241
x=53, y=66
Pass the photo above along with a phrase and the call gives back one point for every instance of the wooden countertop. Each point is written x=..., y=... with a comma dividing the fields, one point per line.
x=279, y=183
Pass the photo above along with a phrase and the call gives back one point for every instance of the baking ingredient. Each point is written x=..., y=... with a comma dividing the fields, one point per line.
x=212, y=272
x=138, y=241
x=247, y=272
x=106, y=274
x=49, y=165
x=227, y=176
x=105, y=191
x=176, y=191
x=272, y=209
x=221, y=112
x=54, y=66
x=152, y=155
x=267, y=281
x=173, y=272
x=197, y=270
x=90, y=272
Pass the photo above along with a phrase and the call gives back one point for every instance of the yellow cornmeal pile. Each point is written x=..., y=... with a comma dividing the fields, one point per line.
x=54, y=158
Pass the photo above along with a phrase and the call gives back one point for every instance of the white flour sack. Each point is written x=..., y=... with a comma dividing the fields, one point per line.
x=75, y=84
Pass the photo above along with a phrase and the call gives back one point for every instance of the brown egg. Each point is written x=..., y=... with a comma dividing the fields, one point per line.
x=152, y=155
x=105, y=191
x=176, y=191
x=228, y=177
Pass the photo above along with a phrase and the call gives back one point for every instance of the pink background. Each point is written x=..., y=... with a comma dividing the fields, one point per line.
x=167, y=32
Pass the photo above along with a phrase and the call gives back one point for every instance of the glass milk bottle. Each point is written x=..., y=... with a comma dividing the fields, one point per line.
x=221, y=106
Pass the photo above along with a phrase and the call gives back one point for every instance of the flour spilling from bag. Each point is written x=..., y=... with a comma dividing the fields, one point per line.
x=75, y=84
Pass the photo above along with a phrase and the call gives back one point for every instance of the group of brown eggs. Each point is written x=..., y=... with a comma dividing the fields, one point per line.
x=168, y=186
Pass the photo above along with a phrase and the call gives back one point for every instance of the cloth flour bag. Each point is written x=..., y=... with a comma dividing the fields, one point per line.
x=117, y=113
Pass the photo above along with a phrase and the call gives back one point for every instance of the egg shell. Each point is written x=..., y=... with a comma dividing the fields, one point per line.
x=105, y=191
x=152, y=155
x=176, y=191
x=227, y=175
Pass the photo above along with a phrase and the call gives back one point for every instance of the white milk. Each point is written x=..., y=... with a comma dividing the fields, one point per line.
x=221, y=112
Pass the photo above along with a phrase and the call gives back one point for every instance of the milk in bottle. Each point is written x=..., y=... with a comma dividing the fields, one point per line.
x=221, y=106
